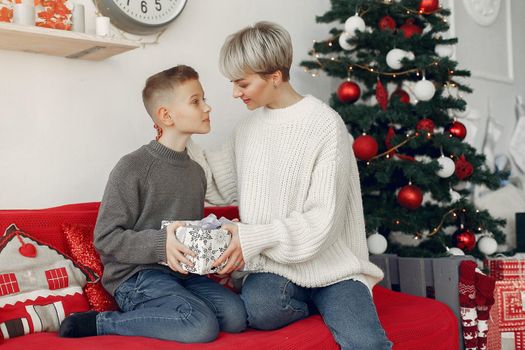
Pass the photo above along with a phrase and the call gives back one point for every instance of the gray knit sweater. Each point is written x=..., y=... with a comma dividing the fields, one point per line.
x=151, y=184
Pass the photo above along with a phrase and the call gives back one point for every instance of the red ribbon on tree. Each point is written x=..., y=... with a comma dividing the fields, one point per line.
x=388, y=142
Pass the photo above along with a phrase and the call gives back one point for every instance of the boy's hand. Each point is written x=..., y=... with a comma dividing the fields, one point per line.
x=176, y=251
x=233, y=253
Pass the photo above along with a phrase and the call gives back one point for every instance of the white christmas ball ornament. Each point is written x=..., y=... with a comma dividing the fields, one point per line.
x=487, y=245
x=454, y=196
x=447, y=167
x=343, y=41
x=376, y=243
x=394, y=57
x=455, y=251
x=444, y=50
x=424, y=90
x=354, y=23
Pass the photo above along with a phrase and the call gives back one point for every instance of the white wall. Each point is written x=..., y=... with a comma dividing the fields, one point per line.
x=484, y=50
x=65, y=123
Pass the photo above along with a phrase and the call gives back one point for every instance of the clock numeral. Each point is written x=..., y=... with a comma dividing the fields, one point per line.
x=158, y=5
x=144, y=6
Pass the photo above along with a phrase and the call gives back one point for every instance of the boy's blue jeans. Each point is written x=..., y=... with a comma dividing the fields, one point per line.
x=347, y=309
x=159, y=304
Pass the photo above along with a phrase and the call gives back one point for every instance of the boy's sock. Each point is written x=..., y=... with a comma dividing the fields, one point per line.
x=484, y=299
x=467, y=303
x=77, y=325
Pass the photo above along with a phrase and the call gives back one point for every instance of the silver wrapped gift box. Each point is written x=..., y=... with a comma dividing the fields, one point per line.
x=207, y=243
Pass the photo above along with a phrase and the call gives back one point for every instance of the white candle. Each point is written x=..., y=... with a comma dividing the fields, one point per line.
x=78, y=19
x=102, y=26
x=24, y=13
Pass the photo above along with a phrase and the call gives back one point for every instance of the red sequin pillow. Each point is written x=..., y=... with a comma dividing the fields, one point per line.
x=79, y=239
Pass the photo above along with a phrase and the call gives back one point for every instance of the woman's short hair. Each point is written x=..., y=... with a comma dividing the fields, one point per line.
x=263, y=48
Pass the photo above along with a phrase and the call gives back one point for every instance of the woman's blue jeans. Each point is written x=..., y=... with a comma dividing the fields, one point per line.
x=347, y=309
x=159, y=304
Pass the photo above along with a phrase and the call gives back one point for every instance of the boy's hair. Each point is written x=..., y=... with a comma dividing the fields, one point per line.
x=263, y=48
x=159, y=86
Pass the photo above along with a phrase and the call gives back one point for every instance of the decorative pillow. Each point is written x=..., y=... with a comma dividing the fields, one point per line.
x=79, y=238
x=39, y=286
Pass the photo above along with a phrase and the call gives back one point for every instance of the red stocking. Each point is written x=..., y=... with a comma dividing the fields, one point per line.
x=467, y=303
x=484, y=300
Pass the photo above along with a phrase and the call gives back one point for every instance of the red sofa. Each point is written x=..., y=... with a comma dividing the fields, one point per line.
x=410, y=322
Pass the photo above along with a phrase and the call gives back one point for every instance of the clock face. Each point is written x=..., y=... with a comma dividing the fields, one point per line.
x=140, y=16
x=151, y=12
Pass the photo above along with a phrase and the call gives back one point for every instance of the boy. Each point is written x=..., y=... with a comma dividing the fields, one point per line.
x=158, y=182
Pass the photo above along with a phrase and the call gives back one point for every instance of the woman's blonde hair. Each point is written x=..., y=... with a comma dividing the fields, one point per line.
x=263, y=48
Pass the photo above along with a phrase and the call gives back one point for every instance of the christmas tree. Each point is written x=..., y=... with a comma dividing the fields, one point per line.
x=416, y=172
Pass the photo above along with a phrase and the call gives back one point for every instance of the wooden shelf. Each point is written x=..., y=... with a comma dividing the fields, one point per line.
x=61, y=42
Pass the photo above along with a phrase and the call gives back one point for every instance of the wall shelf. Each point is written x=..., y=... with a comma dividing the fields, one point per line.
x=61, y=42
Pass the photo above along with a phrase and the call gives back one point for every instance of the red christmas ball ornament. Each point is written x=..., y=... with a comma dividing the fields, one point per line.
x=387, y=23
x=457, y=129
x=402, y=95
x=426, y=124
x=464, y=239
x=463, y=168
x=348, y=92
x=365, y=147
x=409, y=28
x=410, y=197
x=428, y=6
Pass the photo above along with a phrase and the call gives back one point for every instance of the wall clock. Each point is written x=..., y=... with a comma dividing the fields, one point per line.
x=141, y=16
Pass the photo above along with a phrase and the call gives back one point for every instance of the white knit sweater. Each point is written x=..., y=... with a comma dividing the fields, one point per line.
x=293, y=174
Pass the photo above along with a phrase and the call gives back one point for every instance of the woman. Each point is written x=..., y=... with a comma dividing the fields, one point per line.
x=291, y=169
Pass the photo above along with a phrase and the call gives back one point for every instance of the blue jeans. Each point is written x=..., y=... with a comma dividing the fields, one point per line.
x=347, y=309
x=159, y=304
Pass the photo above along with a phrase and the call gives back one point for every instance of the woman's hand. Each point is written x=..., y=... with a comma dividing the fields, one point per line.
x=176, y=252
x=233, y=254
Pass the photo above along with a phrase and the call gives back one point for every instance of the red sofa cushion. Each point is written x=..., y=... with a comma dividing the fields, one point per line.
x=410, y=322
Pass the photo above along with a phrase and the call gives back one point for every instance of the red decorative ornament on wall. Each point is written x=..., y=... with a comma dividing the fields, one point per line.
x=348, y=92
x=365, y=147
x=464, y=239
x=410, y=197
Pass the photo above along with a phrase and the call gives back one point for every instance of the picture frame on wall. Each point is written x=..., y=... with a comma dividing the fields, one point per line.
x=484, y=29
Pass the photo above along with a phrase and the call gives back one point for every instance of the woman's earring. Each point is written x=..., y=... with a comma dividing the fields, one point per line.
x=159, y=132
